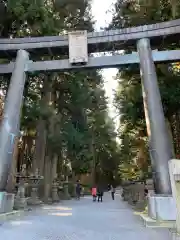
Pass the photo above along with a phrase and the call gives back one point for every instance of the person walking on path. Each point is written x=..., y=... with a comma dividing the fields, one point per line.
x=78, y=190
x=100, y=194
x=94, y=193
x=113, y=190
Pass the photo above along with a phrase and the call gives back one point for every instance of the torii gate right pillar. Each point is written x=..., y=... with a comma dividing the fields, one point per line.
x=160, y=144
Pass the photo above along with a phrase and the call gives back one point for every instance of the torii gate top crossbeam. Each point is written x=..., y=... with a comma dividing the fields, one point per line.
x=97, y=41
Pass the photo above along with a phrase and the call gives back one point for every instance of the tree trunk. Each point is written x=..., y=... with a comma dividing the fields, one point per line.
x=174, y=8
x=54, y=184
x=142, y=155
x=47, y=180
x=22, y=153
x=93, y=172
x=40, y=145
x=54, y=168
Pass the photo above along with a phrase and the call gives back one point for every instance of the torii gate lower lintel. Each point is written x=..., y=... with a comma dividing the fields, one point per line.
x=93, y=62
x=159, y=139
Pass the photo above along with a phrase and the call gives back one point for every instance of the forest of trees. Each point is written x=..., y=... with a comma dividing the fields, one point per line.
x=129, y=102
x=65, y=126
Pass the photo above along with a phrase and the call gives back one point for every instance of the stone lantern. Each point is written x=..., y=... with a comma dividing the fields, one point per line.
x=20, y=201
x=34, y=181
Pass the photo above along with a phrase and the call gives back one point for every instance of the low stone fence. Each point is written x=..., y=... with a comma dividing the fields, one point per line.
x=135, y=193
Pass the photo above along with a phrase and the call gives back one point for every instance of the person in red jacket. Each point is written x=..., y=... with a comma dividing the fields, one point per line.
x=94, y=193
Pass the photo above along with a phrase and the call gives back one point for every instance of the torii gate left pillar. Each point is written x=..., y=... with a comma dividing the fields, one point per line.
x=9, y=128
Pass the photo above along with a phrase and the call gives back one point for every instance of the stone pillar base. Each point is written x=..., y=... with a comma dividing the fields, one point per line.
x=74, y=191
x=20, y=203
x=161, y=207
x=55, y=197
x=141, y=204
x=6, y=202
x=66, y=195
x=47, y=200
x=34, y=199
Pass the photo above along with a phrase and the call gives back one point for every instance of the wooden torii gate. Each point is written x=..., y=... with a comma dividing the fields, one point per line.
x=136, y=37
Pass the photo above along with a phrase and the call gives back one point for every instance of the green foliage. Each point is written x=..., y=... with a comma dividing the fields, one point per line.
x=71, y=104
x=129, y=172
x=87, y=132
x=129, y=100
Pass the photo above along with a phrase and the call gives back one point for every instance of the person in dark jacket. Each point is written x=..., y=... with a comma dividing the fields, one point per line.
x=78, y=190
x=100, y=194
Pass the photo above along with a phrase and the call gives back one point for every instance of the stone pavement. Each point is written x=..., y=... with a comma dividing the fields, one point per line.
x=82, y=220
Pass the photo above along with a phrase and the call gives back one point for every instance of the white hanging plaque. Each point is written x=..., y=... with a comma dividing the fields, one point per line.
x=78, y=47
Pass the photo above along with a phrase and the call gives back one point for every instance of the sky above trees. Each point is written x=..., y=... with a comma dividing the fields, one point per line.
x=103, y=15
